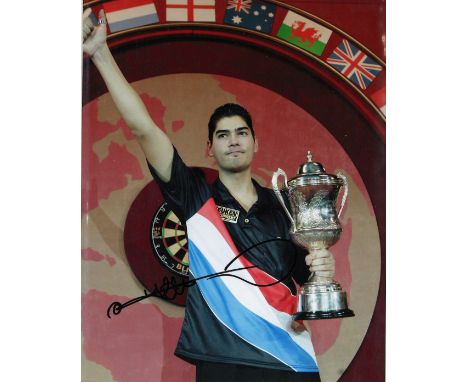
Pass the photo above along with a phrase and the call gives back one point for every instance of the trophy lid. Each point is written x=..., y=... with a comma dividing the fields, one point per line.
x=313, y=173
x=310, y=167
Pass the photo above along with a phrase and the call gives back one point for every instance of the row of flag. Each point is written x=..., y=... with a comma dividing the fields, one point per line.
x=255, y=15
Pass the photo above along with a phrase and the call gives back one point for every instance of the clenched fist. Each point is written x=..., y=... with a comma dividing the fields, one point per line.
x=94, y=37
x=321, y=262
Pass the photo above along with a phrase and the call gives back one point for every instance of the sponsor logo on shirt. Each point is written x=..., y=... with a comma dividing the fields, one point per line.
x=228, y=214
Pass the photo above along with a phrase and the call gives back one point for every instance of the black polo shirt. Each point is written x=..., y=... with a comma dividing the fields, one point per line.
x=203, y=337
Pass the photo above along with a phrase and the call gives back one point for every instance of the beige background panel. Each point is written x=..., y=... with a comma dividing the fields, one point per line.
x=93, y=372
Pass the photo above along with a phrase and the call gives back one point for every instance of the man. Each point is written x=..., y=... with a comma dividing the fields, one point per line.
x=235, y=328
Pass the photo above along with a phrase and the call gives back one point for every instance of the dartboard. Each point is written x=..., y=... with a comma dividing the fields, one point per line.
x=169, y=240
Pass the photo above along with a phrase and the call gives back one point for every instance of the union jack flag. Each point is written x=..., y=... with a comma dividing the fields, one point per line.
x=354, y=64
x=240, y=5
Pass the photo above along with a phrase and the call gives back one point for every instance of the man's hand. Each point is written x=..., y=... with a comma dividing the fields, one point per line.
x=94, y=37
x=322, y=263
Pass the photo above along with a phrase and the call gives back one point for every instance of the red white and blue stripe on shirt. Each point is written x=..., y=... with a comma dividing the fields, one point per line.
x=261, y=316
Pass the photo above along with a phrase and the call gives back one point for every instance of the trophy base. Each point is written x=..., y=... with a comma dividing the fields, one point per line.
x=323, y=315
x=322, y=301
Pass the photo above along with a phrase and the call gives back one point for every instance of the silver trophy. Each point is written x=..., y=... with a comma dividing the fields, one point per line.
x=312, y=196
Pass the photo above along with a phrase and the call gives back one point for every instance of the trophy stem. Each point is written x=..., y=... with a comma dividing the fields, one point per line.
x=314, y=279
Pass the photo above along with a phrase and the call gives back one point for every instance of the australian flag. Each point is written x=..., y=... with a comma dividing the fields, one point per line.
x=354, y=64
x=250, y=14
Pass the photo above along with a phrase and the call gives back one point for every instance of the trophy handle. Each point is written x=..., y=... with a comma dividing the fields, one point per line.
x=345, y=195
x=274, y=182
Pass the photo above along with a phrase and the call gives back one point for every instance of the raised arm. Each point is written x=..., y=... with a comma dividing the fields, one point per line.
x=154, y=142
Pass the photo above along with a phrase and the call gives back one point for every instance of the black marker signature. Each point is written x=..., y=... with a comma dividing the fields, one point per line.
x=170, y=288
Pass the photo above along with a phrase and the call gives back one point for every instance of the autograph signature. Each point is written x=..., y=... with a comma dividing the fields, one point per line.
x=170, y=288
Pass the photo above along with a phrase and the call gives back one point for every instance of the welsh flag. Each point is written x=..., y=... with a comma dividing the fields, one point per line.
x=304, y=33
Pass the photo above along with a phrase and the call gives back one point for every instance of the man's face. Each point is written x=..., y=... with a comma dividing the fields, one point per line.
x=233, y=145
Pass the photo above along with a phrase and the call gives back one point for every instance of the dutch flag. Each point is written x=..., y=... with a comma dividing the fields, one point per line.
x=127, y=14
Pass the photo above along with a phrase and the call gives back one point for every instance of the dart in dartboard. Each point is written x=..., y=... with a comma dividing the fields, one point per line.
x=169, y=240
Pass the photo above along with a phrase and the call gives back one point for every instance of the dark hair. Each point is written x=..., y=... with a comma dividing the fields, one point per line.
x=228, y=110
